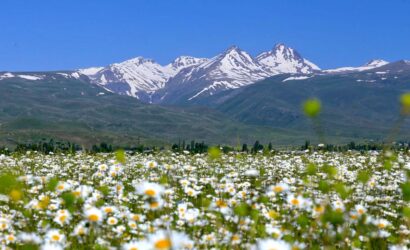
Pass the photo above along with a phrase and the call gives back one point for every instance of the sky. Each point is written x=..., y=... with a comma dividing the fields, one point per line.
x=40, y=35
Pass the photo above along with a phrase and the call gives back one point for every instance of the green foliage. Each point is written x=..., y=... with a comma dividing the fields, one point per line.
x=332, y=216
x=363, y=176
x=312, y=107
x=405, y=188
x=242, y=209
x=105, y=190
x=311, y=169
x=8, y=182
x=69, y=199
x=214, y=153
x=405, y=103
x=52, y=184
x=324, y=186
x=342, y=190
x=406, y=212
x=120, y=156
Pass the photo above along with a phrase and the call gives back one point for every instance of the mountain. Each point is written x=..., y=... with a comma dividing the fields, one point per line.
x=65, y=106
x=376, y=63
x=359, y=104
x=138, y=77
x=188, y=78
x=282, y=59
x=233, y=68
x=184, y=62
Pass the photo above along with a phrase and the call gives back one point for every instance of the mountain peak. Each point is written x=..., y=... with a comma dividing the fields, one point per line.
x=137, y=61
x=186, y=61
x=284, y=59
x=232, y=48
x=376, y=63
x=279, y=46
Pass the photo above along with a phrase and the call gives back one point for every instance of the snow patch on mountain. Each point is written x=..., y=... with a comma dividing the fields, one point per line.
x=90, y=71
x=295, y=78
x=31, y=77
x=183, y=62
x=370, y=65
x=6, y=75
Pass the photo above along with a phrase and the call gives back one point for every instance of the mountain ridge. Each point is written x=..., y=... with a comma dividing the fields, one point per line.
x=233, y=68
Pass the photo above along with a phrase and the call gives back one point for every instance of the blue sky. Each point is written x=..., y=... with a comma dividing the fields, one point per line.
x=69, y=34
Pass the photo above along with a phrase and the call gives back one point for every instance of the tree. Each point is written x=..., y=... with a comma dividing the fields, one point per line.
x=257, y=147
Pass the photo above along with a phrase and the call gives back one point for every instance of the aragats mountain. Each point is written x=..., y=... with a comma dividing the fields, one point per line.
x=188, y=78
x=215, y=99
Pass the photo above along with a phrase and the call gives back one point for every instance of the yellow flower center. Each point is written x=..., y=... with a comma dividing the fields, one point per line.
x=150, y=192
x=295, y=202
x=154, y=204
x=221, y=203
x=278, y=189
x=273, y=214
x=319, y=209
x=133, y=248
x=163, y=244
x=93, y=217
x=55, y=237
x=63, y=218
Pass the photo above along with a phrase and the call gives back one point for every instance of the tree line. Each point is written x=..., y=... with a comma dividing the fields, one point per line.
x=50, y=145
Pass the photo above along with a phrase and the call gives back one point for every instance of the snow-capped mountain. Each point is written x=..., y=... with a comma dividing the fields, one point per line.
x=188, y=78
x=138, y=77
x=375, y=63
x=282, y=59
x=231, y=69
x=135, y=77
x=235, y=68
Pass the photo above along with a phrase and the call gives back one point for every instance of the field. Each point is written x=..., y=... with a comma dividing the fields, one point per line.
x=279, y=200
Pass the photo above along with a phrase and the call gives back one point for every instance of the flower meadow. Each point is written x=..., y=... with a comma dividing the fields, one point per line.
x=165, y=200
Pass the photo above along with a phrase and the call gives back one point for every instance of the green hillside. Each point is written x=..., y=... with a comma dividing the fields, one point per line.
x=72, y=109
x=360, y=105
